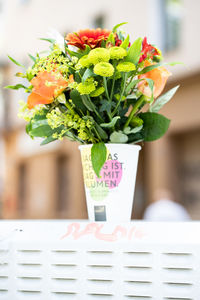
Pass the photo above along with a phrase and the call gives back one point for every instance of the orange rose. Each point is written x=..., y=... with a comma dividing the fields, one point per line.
x=46, y=87
x=158, y=75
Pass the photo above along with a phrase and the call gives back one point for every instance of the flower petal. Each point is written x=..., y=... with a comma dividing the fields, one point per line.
x=158, y=75
x=35, y=99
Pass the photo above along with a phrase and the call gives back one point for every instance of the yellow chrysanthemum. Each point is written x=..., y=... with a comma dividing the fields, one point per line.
x=98, y=92
x=117, y=52
x=125, y=66
x=98, y=55
x=104, y=69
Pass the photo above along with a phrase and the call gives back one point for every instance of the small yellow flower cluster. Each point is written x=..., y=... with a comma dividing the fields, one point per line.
x=48, y=63
x=28, y=114
x=69, y=121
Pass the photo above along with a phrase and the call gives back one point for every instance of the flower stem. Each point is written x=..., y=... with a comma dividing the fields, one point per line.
x=120, y=99
x=113, y=83
x=93, y=106
x=134, y=110
x=106, y=88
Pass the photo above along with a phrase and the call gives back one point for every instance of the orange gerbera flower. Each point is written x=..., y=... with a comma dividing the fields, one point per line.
x=158, y=75
x=47, y=86
x=90, y=37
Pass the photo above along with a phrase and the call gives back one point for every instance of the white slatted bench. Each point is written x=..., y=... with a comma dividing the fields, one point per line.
x=54, y=260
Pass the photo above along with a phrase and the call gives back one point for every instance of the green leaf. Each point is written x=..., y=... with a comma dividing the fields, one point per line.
x=135, y=137
x=101, y=132
x=154, y=126
x=105, y=105
x=98, y=157
x=28, y=127
x=88, y=73
x=154, y=66
x=117, y=26
x=89, y=105
x=48, y=140
x=118, y=137
x=41, y=131
x=86, y=51
x=134, y=51
x=32, y=57
x=15, y=62
x=111, y=39
x=52, y=41
x=162, y=100
x=15, y=87
x=110, y=124
x=129, y=130
x=72, y=53
x=77, y=100
x=125, y=43
x=150, y=68
x=132, y=84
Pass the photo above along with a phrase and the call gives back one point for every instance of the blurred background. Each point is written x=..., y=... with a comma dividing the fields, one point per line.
x=46, y=181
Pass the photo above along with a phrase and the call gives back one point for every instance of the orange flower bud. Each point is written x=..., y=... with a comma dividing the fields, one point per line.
x=158, y=75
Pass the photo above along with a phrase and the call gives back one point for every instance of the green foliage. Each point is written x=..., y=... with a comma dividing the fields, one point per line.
x=52, y=41
x=125, y=43
x=77, y=101
x=95, y=96
x=162, y=100
x=15, y=62
x=98, y=157
x=117, y=137
x=16, y=87
x=134, y=51
x=88, y=73
x=111, y=124
x=118, y=25
x=154, y=127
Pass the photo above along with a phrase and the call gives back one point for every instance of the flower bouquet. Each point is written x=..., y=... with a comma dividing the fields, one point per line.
x=96, y=87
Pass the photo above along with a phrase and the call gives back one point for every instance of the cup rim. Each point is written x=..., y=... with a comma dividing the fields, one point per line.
x=112, y=144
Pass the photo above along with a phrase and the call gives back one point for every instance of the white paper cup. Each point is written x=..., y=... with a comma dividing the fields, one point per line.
x=110, y=198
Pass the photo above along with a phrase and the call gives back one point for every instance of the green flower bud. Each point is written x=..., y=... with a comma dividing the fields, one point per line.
x=125, y=66
x=103, y=69
x=136, y=122
x=98, y=55
x=117, y=52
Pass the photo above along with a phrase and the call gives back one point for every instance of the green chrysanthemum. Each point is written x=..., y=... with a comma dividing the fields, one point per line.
x=98, y=92
x=117, y=52
x=125, y=66
x=86, y=88
x=104, y=69
x=84, y=62
x=98, y=55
